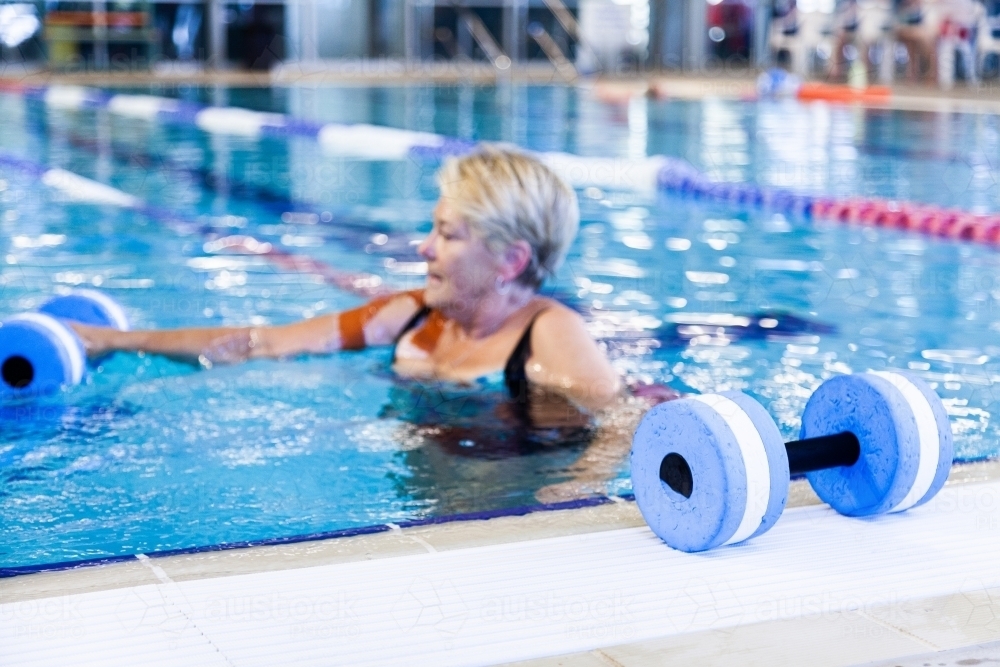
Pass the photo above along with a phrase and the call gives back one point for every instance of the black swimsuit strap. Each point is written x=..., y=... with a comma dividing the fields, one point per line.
x=515, y=377
x=410, y=324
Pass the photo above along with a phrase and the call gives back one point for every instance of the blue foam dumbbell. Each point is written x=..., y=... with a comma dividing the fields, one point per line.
x=88, y=306
x=713, y=470
x=39, y=352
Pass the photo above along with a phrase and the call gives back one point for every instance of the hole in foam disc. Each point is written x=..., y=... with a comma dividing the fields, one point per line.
x=676, y=473
x=17, y=371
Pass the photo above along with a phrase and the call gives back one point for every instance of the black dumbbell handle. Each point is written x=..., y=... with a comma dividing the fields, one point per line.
x=826, y=451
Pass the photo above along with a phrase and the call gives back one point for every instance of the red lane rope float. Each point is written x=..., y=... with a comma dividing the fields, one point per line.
x=12, y=87
x=926, y=219
x=682, y=177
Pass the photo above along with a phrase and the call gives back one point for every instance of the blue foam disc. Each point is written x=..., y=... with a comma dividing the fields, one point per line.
x=884, y=418
x=88, y=307
x=777, y=457
x=38, y=354
x=937, y=449
x=709, y=470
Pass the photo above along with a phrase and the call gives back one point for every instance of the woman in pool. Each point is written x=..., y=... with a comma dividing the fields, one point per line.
x=502, y=226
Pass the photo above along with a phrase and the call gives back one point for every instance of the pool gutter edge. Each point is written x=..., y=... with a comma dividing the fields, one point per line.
x=365, y=543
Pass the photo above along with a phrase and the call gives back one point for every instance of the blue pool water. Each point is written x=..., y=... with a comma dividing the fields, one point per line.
x=151, y=454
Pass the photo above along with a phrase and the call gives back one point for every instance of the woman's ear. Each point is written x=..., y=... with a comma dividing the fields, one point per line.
x=516, y=258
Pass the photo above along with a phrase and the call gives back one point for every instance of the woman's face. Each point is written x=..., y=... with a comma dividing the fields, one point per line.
x=460, y=268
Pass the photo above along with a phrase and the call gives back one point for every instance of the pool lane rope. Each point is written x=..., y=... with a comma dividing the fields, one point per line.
x=373, y=142
x=84, y=190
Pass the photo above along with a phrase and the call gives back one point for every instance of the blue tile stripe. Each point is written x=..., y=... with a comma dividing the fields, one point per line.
x=8, y=572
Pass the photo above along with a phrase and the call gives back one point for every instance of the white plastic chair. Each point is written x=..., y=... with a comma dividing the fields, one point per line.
x=872, y=25
x=875, y=23
x=800, y=34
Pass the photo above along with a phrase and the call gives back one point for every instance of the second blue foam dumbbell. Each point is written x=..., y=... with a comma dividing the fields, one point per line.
x=39, y=352
x=712, y=470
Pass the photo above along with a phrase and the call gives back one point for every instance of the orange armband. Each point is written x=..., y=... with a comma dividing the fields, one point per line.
x=352, y=322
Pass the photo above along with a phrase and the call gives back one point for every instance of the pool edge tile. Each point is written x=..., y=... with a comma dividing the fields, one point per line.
x=110, y=576
x=387, y=544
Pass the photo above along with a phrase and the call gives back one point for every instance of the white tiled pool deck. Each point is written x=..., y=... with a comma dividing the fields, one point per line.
x=581, y=587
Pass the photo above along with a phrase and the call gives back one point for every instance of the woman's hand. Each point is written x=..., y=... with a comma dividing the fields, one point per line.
x=654, y=394
x=96, y=340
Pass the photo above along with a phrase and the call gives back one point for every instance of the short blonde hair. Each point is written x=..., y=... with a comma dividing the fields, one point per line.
x=505, y=195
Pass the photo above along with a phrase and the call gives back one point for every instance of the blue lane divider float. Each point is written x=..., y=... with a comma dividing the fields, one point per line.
x=711, y=470
x=82, y=189
x=39, y=352
x=357, y=141
x=350, y=140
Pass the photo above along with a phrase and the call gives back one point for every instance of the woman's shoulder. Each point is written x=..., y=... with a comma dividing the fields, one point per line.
x=552, y=314
x=555, y=325
x=566, y=357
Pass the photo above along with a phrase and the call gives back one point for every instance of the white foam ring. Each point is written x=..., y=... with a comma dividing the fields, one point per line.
x=373, y=142
x=119, y=320
x=758, y=471
x=146, y=107
x=83, y=189
x=930, y=438
x=67, y=97
x=233, y=120
x=67, y=339
x=605, y=172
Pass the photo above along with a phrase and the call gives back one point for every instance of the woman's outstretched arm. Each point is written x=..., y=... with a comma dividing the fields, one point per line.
x=218, y=344
x=376, y=323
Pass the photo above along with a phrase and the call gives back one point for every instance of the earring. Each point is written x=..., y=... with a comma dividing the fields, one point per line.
x=501, y=285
